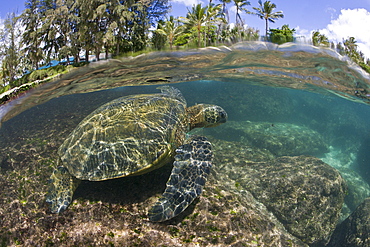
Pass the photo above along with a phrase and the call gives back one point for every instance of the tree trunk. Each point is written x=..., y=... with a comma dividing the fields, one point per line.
x=77, y=58
x=266, y=28
x=97, y=54
x=36, y=65
x=199, y=36
x=117, y=49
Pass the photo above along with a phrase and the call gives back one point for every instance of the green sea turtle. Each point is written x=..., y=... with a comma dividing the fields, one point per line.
x=133, y=135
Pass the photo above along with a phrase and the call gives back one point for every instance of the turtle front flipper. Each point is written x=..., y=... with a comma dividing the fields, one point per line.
x=189, y=174
x=61, y=188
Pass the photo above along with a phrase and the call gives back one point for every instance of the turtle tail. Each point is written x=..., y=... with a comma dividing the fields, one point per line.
x=191, y=168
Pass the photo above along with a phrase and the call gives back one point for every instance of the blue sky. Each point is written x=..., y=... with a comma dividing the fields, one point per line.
x=338, y=19
x=307, y=14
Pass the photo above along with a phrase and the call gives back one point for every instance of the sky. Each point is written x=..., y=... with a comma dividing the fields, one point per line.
x=337, y=19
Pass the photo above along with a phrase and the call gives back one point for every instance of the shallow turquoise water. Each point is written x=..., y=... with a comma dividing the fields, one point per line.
x=301, y=86
x=295, y=84
x=342, y=123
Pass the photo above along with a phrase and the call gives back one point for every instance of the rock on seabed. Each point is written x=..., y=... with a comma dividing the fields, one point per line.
x=305, y=194
x=251, y=199
x=355, y=230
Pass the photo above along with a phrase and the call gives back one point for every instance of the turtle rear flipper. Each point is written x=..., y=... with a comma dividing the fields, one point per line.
x=189, y=174
x=61, y=188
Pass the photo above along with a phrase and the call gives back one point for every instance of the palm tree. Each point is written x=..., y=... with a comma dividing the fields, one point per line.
x=350, y=45
x=350, y=48
x=196, y=18
x=171, y=29
x=265, y=11
x=319, y=39
x=240, y=6
x=215, y=16
x=224, y=9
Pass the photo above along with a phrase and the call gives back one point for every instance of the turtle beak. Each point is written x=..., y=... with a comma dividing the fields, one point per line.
x=223, y=116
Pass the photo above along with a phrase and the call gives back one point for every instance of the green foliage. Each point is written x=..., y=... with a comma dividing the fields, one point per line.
x=63, y=28
x=31, y=38
x=167, y=31
x=159, y=37
x=10, y=49
x=319, y=39
x=237, y=34
x=266, y=11
x=350, y=49
x=365, y=66
x=195, y=19
x=183, y=39
x=4, y=88
x=43, y=74
x=283, y=35
x=202, y=21
x=38, y=75
x=240, y=6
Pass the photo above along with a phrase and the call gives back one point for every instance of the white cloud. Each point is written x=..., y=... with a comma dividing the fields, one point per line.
x=302, y=35
x=232, y=9
x=351, y=23
x=188, y=3
x=331, y=11
x=364, y=48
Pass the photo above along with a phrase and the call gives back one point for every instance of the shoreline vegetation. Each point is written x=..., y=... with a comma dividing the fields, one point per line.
x=34, y=79
x=64, y=30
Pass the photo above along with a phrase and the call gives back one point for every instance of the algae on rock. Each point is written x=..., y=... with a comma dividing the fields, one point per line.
x=355, y=230
x=230, y=212
x=305, y=194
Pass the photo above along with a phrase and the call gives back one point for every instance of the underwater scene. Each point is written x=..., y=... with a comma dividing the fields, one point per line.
x=290, y=167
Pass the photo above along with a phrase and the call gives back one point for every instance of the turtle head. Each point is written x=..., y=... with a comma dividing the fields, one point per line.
x=204, y=116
